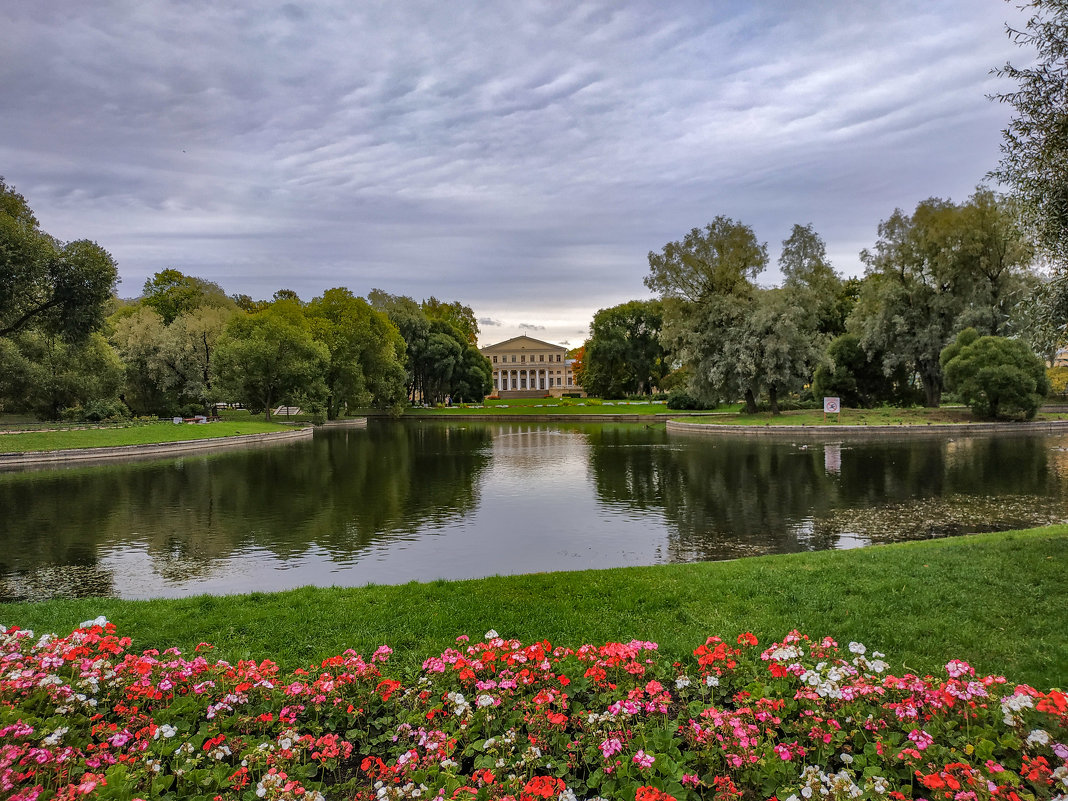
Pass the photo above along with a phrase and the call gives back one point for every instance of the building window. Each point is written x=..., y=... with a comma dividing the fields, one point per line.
x=513, y=358
x=523, y=358
x=541, y=357
x=494, y=359
x=569, y=380
x=557, y=357
x=558, y=382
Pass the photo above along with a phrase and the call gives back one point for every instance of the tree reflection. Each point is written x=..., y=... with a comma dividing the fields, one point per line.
x=341, y=493
x=730, y=496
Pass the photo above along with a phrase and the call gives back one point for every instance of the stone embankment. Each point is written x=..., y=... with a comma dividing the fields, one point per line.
x=836, y=432
x=504, y=417
x=151, y=449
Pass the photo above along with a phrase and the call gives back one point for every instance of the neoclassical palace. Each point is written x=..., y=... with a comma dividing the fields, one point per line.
x=524, y=366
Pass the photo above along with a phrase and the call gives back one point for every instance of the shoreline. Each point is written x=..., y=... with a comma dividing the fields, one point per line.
x=835, y=431
x=149, y=449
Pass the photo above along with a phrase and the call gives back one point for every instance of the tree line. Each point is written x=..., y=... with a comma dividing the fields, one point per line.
x=715, y=335
x=70, y=347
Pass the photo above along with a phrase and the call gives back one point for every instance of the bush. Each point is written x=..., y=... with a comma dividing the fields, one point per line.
x=683, y=401
x=998, y=378
x=97, y=411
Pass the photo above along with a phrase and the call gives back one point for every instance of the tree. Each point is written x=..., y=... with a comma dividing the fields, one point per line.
x=857, y=377
x=706, y=284
x=1035, y=147
x=723, y=259
x=269, y=357
x=187, y=349
x=809, y=276
x=624, y=355
x=366, y=352
x=997, y=377
x=59, y=288
x=461, y=316
x=933, y=273
x=171, y=293
x=137, y=334
x=47, y=376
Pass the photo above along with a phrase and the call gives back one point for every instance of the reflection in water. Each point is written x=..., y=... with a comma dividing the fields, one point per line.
x=395, y=502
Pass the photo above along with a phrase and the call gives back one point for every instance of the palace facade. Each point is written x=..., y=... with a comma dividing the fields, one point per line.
x=527, y=367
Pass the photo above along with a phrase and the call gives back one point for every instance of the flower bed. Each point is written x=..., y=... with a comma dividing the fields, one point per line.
x=84, y=716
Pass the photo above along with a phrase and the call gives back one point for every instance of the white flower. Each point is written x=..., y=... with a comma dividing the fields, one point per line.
x=567, y=795
x=485, y=700
x=682, y=681
x=711, y=681
x=166, y=730
x=100, y=621
x=857, y=648
x=806, y=791
x=492, y=635
x=1037, y=737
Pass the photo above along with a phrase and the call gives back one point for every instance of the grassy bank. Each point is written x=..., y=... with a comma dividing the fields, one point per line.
x=25, y=441
x=884, y=416
x=995, y=600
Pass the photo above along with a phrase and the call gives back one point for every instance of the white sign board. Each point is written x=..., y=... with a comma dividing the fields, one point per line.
x=831, y=406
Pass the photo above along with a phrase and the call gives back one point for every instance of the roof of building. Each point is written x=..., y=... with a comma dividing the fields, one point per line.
x=520, y=342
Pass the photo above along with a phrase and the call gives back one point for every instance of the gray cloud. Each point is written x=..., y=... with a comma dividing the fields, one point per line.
x=489, y=321
x=499, y=154
x=532, y=327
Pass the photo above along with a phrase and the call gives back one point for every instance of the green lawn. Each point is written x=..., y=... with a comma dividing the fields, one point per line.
x=559, y=406
x=995, y=600
x=22, y=442
x=883, y=416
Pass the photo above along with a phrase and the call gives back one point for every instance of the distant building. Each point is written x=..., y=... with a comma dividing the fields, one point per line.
x=527, y=367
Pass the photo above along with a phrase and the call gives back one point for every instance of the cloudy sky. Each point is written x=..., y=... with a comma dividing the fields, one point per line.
x=521, y=157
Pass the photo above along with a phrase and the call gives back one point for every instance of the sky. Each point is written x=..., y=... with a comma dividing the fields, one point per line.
x=523, y=158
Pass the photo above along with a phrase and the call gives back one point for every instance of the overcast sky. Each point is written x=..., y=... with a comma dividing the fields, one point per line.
x=521, y=157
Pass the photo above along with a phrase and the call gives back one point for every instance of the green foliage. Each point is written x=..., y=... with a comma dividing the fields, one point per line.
x=265, y=358
x=722, y=259
x=932, y=273
x=817, y=287
x=43, y=374
x=858, y=379
x=624, y=355
x=442, y=361
x=1035, y=147
x=366, y=353
x=60, y=289
x=171, y=293
x=997, y=377
x=683, y=402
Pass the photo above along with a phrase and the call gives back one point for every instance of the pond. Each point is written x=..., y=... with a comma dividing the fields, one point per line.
x=401, y=501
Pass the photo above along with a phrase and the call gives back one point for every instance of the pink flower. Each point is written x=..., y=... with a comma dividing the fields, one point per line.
x=921, y=738
x=381, y=654
x=643, y=760
x=956, y=668
x=690, y=779
x=611, y=746
x=783, y=752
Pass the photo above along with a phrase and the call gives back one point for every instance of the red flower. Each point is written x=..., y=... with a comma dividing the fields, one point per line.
x=747, y=639
x=646, y=793
x=542, y=787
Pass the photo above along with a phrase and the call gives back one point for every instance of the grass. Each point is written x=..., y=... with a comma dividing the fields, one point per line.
x=883, y=416
x=996, y=600
x=25, y=441
x=558, y=406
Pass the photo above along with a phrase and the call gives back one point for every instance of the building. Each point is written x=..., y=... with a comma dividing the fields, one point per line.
x=524, y=367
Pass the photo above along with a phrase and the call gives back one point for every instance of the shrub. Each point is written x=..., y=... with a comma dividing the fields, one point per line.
x=683, y=401
x=998, y=378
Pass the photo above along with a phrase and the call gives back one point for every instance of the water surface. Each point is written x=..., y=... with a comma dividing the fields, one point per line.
x=418, y=501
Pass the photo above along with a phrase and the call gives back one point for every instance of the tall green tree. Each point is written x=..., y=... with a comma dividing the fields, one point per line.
x=366, y=352
x=624, y=354
x=46, y=375
x=706, y=283
x=809, y=276
x=1035, y=147
x=270, y=357
x=171, y=293
x=59, y=288
x=932, y=273
x=456, y=313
